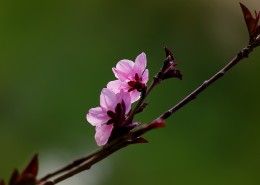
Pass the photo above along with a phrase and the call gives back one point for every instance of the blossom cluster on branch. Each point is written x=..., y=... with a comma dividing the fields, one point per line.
x=110, y=118
x=113, y=119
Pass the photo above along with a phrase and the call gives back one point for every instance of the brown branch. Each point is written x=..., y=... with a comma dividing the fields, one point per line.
x=146, y=92
x=68, y=167
x=106, y=151
x=244, y=53
x=82, y=160
x=132, y=138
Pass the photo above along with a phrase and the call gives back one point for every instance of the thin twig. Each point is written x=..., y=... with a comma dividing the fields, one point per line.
x=92, y=160
x=156, y=81
x=241, y=55
x=69, y=166
x=105, y=152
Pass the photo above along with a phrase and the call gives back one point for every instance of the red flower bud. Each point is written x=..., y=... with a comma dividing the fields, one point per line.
x=27, y=177
x=168, y=69
x=251, y=23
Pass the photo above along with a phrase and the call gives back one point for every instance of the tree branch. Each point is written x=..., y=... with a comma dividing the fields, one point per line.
x=244, y=53
x=132, y=138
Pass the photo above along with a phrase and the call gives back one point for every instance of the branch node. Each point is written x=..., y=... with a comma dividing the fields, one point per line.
x=245, y=52
x=166, y=115
x=205, y=83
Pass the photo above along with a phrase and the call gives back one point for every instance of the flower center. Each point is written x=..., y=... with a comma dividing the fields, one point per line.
x=136, y=84
x=118, y=116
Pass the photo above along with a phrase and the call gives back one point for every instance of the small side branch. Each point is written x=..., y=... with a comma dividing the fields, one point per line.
x=244, y=53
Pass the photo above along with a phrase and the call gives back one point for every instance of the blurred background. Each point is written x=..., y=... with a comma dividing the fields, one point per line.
x=56, y=56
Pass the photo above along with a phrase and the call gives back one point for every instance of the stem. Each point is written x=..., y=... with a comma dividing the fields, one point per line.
x=156, y=81
x=133, y=112
x=241, y=55
x=105, y=152
x=123, y=141
x=68, y=167
x=91, y=161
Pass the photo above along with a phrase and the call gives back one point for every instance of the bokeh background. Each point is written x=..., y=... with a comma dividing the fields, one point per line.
x=56, y=56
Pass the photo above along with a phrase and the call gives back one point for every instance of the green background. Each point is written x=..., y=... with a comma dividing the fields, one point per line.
x=56, y=56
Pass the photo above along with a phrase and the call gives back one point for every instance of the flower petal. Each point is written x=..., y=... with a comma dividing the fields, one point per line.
x=107, y=99
x=135, y=95
x=124, y=96
x=115, y=86
x=145, y=76
x=140, y=64
x=123, y=69
x=103, y=133
x=97, y=116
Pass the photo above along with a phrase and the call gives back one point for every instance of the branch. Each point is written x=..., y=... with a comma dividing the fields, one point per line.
x=244, y=53
x=69, y=166
x=134, y=136
x=131, y=138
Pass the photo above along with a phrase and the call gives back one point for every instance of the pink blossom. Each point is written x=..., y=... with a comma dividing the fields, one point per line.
x=110, y=114
x=132, y=77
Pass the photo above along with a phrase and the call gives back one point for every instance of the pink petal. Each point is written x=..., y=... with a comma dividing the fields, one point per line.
x=103, y=133
x=135, y=95
x=140, y=64
x=107, y=100
x=115, y=86
x=145, y=76
x=97, y=116
x=124, y=96
x=123, y=69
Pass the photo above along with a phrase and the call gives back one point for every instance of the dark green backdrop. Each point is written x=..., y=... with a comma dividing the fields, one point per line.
x=56, y=56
